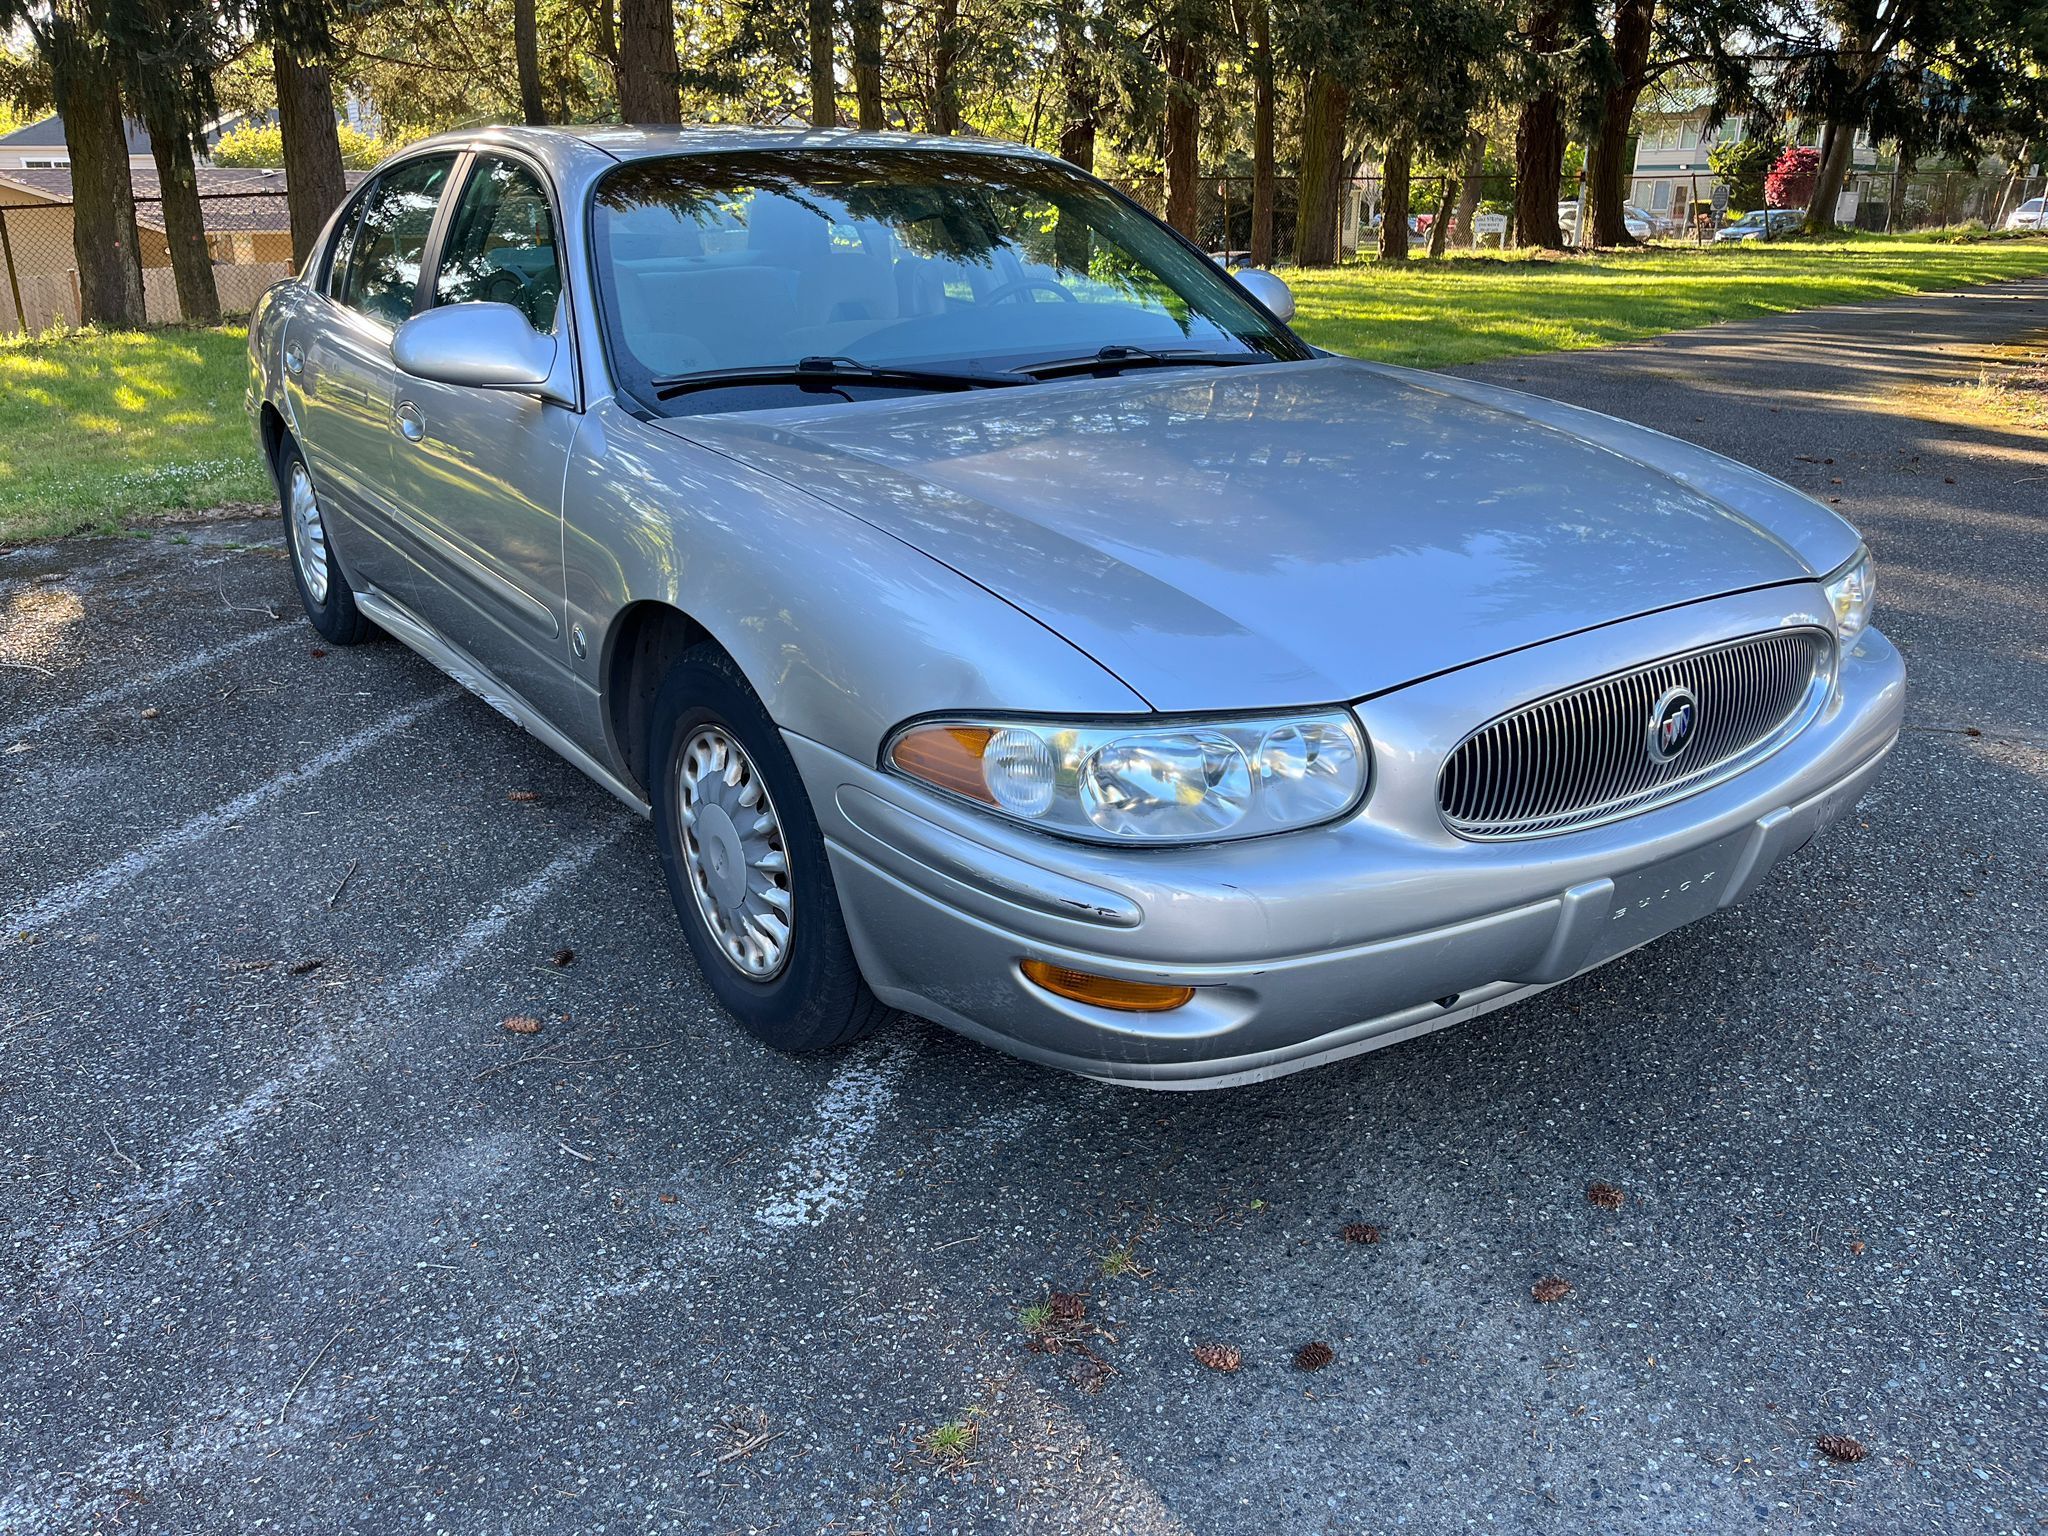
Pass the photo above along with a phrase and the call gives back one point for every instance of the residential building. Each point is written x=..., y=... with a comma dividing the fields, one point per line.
x=1671, y=170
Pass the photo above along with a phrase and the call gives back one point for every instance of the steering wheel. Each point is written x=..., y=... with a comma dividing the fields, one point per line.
x=1007, y=291
x=496, y=291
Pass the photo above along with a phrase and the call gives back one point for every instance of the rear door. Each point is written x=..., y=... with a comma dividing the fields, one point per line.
x=478, y=472
x=344, y=376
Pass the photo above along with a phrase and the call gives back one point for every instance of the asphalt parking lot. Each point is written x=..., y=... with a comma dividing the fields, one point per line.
x=298, y=1238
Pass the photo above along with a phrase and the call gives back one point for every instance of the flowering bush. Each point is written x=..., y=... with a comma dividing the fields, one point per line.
x=1790, y=184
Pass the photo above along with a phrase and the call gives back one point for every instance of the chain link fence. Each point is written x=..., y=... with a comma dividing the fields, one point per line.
x=248, y=235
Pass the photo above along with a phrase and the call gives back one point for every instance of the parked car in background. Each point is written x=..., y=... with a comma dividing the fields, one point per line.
x=1004, y=617
x=1762, y=224
x=1639, y=223
x=2032, y=214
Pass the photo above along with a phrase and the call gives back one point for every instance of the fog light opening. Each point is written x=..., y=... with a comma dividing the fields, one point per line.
x=1106, y=991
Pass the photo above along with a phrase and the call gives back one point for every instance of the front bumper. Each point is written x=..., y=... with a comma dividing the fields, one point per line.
x=1311, y=946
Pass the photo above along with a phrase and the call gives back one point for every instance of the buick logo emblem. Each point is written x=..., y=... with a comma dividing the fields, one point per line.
x=1672, y=718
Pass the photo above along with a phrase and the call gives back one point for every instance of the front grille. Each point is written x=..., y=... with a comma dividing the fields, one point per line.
x=1585, y=756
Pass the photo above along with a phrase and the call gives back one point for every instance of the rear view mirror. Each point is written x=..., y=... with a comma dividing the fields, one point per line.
x=1269, y=290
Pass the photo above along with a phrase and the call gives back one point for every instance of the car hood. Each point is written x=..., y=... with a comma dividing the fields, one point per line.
x=1298, y=533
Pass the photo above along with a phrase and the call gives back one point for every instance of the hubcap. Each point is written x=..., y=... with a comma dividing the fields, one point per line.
x=309, y=534
x=734, y=853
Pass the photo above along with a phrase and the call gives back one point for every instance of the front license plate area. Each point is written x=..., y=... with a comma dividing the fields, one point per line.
x=1651, y=902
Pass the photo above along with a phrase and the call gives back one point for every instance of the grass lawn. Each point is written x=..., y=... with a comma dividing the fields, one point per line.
x=1469, y=308
x=99, y=431
x=100, y=428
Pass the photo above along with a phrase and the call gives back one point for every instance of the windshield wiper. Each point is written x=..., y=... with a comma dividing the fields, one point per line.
x=828, y=373
x=1115, y=359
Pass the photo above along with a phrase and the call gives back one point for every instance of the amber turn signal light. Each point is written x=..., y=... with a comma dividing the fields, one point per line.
x=1107, y=991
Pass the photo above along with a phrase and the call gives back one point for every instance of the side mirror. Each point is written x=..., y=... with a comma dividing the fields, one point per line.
x=1270, y=291
x=483, y=346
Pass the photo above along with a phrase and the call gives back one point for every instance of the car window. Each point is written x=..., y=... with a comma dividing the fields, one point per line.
x=383, y=269
x=501, y=246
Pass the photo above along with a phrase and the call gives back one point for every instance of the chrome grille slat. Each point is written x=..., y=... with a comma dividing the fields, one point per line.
x=1580, y=757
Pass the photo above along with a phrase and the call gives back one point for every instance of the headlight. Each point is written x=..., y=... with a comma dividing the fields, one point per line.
x=1171, y=782
x=1851, y=590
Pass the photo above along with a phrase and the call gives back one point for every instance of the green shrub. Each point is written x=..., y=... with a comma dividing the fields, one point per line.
x=262, y=145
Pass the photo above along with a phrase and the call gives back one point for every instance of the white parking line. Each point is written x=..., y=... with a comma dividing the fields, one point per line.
x=102, y=882
x=824, y=1172
x=134, y=685
x=188, y=1162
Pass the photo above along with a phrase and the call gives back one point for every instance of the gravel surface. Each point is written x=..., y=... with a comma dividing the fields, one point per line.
x=297, y=1237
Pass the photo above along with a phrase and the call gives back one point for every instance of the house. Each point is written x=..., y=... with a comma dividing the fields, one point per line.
x=248, y=232
x=1671, y=169
x=40, y=146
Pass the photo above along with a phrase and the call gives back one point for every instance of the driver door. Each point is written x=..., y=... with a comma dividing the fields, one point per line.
x=479, y=471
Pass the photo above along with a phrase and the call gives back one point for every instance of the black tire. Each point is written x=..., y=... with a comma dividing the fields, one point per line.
x=817, y=999
x=334, y=613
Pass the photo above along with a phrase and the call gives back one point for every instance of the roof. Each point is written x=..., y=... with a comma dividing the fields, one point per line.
x=624, y=142
x=48, y=133
x=239, y=200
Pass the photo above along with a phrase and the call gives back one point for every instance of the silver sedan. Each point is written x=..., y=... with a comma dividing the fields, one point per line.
x=1004, y=617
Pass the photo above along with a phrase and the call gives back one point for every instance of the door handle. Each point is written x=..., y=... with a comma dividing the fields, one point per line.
x=294, y=360
x=411, y=422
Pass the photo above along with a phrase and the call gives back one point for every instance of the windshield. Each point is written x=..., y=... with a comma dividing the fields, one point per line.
x=894, y=259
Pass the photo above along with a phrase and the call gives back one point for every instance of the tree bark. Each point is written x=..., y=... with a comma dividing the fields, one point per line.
x=103, y=241
x=170, y=143
x=1078, y=116
x=1840, y=148
x=1262, y=134
x=648, y=70
x=1440, y=226
x=945, y=115
x=867, y=65
x=526, y=49
x=1606, y=162
x=1317, y=225
x=824, y=85
x=1394, y=171
x=313, y=179
x=604, y=37
x=1183, y=86
x=1473, y=177
x=1539, y=142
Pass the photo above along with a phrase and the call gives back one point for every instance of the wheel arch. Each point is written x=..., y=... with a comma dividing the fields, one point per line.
x=644, y=643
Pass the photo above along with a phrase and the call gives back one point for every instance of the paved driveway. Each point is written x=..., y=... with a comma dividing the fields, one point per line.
x=298, y=1238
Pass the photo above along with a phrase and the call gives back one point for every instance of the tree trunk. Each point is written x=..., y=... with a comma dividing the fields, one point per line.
x=1440, y=226
x=1070, y=237
x=1539, y=142
x=1607, y=167
x=945, y=117
x=1473, y=189
x=1394, y=200
x=648, y=70
x=1262, y=134
x=1539, y=164
x=184, y=219
x=867, y=65
x=824, y=87
x=313, y=180
x=1183, y=106
x=604, y=36
x=1317, y=226
x=1840, y=140
x=526, y=48
x=88, y=96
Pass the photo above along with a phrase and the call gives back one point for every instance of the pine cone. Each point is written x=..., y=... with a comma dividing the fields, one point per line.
x=1606, y=1196
x=1313, y=1357
x=1362, y=1232
x=1840, y=1448
x=521, y=1025
x=1551, y=1288
x=1220, y=1357
x=1067, y=1306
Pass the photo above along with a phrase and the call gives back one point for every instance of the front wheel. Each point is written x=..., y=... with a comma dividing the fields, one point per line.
x=745, y=863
